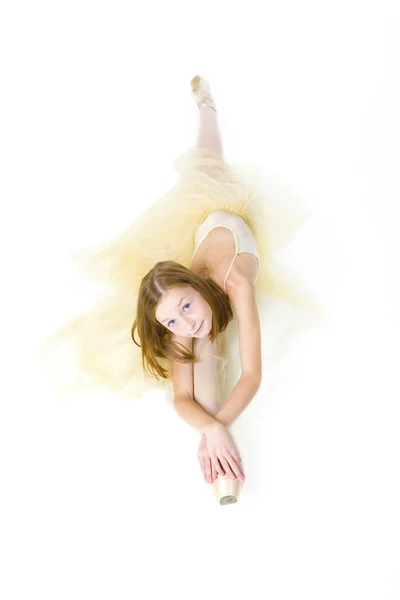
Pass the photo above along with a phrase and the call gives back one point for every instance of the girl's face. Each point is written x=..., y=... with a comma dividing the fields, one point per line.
x=183, y=310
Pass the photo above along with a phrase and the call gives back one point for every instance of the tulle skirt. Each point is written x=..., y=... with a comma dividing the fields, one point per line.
x=96, y=349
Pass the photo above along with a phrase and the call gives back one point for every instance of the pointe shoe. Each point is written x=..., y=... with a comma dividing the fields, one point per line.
x=201, y=92
x=226, y=490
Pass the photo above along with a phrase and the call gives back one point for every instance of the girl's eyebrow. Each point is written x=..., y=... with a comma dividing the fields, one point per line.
x=177, y=306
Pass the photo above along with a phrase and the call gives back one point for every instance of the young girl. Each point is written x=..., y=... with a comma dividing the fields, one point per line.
x=196, y=263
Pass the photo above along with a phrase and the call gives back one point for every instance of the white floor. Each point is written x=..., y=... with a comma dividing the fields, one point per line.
x=105, y=499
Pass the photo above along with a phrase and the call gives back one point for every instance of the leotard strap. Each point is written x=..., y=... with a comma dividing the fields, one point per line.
x=229, y=270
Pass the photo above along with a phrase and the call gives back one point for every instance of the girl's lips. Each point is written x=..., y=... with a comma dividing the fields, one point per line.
x=199, y=329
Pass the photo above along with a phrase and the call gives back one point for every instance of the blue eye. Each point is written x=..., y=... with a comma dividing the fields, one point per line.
x=188, y=304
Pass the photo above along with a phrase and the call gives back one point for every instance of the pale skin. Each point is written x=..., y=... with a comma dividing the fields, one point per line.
x=182, y=310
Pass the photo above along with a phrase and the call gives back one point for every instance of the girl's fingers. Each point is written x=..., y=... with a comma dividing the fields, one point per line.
x=214, y=466
x=208, y=469
x=232, y=469
x=235, y=454
x=237, y=470
x=226, y=467
x=236, y=465
x=216, y=463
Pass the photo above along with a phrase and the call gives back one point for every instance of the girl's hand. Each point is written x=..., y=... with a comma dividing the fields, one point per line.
x=206, y=465
x=223, y=452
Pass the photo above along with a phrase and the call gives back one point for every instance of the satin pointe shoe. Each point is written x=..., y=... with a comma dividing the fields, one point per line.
x=226, y=490
x=201, y=92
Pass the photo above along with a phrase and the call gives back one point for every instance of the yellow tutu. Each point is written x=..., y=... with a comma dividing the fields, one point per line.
x=99, y=341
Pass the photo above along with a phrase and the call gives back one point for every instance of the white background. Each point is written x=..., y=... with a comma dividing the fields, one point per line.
x=103, y=498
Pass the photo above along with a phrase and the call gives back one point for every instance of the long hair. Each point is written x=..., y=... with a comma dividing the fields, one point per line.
x=155, y=338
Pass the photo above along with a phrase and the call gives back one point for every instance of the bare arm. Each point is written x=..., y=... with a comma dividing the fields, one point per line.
x=241, y=395
x=242, y=296
x=191, y=412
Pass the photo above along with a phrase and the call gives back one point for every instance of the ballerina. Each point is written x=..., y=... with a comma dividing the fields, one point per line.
x=183, y=300
x=226, y=256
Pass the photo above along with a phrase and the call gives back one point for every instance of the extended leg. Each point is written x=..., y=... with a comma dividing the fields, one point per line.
x=208, y=134
x=207, y=394
x=205, y=376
